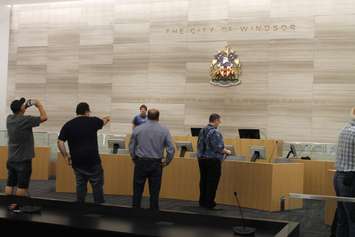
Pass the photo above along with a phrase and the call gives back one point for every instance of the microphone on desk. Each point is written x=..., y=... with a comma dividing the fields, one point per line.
x=242, y=230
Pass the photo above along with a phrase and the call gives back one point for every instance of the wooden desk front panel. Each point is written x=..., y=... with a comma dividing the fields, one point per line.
x=3, y=161
x=330, y=206
x=40, y=164
x=254, y=182
x=65, y=179
x=118, y=175
x=318, y=180
x=181, y=180
x=287, y=178
x=315, y=175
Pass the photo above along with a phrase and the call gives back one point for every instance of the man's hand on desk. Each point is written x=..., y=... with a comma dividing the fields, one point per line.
x=164, y=164
x=227, y=152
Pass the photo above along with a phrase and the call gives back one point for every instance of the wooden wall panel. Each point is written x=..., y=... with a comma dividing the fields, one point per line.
x=298, y=66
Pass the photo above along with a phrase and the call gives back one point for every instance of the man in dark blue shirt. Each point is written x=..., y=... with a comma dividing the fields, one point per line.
x=210, y=154
x=141, y=117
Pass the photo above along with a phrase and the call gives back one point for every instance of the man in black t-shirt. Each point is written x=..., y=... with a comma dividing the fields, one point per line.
x=81, y=135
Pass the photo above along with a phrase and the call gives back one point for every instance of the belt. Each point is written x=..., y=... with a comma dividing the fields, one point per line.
x=345, y=172
x=204, y=158
x=149, y=159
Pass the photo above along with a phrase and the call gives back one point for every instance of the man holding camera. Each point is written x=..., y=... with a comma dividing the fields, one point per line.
x=21, y=145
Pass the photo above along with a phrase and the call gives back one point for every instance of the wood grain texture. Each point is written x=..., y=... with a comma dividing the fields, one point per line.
x=259, y=185
x=298, y=65
x=316, y=178
x=330, y=205
x=40, y=164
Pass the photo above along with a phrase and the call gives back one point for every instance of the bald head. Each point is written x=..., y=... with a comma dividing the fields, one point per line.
x=153, y=114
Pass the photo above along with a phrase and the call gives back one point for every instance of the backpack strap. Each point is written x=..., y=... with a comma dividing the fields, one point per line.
x=204, y=138
x=201, y=140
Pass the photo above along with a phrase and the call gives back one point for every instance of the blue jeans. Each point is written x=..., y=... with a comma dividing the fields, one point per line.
x=94, y=175
x=344, y=183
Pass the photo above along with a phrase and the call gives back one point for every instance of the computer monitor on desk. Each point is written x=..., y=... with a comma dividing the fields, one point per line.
x=257, y=153
x=249, y=133
x=195, y=132
x=183, y=147
x=117, y=145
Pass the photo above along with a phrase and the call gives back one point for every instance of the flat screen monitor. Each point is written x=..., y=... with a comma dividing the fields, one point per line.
x=116, y=144
x=195, y=132
x=183, y=147
x=249, y=133
x=257, y=153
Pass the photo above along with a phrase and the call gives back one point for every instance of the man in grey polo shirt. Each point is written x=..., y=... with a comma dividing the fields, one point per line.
x=21, y=145
x=146, y=147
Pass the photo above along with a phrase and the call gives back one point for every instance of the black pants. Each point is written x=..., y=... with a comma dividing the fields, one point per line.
x=210, y=173
x=333, y=228
x=94, y=175
x=344, y=183
x=144, y=169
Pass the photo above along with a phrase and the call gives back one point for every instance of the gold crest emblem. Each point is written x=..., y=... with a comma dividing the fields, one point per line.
x=225, y=68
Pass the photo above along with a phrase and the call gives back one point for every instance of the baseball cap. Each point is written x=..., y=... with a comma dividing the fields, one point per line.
x=16, y=105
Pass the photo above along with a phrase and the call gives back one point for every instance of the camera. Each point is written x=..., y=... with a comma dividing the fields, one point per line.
x=29, y=103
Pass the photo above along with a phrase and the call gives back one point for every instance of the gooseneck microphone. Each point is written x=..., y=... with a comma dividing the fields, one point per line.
x=242, y=230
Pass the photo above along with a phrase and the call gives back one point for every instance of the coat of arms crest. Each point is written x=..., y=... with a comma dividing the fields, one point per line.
x=225, y=68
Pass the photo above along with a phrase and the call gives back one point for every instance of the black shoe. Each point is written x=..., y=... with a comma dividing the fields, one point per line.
x=214, y=209
x=211, y=205
x=202, y=205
